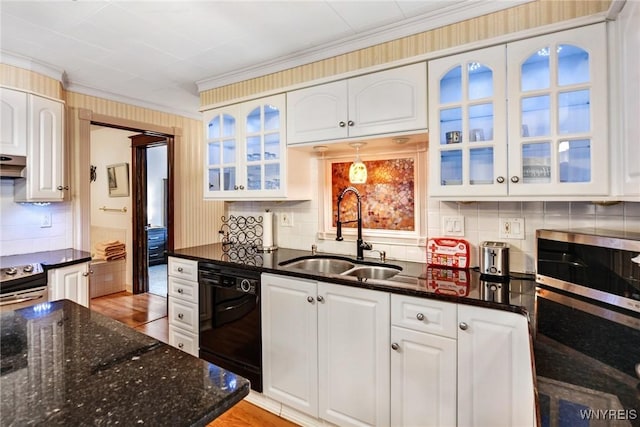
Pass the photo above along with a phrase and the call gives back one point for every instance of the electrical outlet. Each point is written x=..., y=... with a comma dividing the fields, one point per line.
x=453, y=226
x=286, y=219
x=45, y=220
x=512, y=228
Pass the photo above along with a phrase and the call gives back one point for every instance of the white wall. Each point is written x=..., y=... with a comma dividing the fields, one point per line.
x=481, y=224
x=110, y=146
x=20, y=230
x=156, y=173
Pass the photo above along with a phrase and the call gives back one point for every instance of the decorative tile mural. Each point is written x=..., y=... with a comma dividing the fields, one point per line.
x=387, y=197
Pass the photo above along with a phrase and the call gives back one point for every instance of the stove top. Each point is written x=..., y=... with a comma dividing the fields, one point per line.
x=19, y=272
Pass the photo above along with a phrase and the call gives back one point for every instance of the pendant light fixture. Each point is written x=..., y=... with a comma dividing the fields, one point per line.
x=357, y=170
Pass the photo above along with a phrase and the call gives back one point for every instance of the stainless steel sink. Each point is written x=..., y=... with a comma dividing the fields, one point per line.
x=332, y=264
x=377, y=272
x=327, y=265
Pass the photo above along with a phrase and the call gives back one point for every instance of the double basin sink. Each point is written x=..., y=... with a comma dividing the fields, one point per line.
x=335, y=265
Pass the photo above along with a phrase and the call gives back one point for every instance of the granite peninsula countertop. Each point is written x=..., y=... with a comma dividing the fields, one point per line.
x=63, y=364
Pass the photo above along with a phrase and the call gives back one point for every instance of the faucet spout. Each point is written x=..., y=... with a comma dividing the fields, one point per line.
x=360, y=244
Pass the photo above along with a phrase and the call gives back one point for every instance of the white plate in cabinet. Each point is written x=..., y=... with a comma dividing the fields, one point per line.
x=183, y=289
x=183, y=268
x=183, y=340
x=424, y=315
x=183, y=315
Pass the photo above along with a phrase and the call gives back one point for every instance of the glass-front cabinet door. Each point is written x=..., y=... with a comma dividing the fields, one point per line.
x=467, y=129
x=558, y=114
x=264, y=144
x=245, y=150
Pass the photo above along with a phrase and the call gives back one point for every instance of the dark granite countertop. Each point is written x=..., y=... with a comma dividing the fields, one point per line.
x=48, y=259
x=417, y=279
x=63, y=364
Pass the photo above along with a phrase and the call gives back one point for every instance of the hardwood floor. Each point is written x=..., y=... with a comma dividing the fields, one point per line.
x=147, y=313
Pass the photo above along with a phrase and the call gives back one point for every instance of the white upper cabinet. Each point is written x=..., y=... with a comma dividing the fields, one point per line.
x=45, y=172
x=13, y=128
x=558, y=127
x=628, y=84
x=246, y=153
x=467, y=133
x=543, y=134
x=385, y=102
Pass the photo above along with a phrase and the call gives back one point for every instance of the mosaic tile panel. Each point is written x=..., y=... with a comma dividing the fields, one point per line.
x=387, y=197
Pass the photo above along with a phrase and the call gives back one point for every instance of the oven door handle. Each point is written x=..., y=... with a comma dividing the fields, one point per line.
x=20, y=300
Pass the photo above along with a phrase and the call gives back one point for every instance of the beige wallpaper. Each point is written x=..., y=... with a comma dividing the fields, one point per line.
x=24, y=79
x=530, y=15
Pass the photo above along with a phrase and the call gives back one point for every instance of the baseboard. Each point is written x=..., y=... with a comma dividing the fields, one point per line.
x=283, y=411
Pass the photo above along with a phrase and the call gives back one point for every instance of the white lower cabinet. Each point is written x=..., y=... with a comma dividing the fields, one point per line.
x=182, y=291
x=357, y=357
x=325, y=349
x=423, y=362
x=70, y=282
x=495, y=381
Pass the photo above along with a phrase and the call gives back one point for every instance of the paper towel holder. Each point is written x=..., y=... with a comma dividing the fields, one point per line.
x=267, y=236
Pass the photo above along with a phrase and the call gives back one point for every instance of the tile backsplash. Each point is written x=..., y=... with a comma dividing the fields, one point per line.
x=481, y=224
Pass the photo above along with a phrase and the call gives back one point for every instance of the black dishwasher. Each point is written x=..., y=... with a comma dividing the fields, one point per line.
x=230, y=325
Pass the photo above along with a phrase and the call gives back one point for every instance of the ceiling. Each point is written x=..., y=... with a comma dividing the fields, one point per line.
x=160, y=54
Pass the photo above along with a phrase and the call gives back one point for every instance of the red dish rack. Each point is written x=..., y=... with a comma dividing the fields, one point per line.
x=447, y=252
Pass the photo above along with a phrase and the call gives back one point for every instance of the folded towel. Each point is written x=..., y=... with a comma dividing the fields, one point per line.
x=101, y=246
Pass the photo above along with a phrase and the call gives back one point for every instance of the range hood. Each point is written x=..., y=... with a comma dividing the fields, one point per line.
x=12, y=166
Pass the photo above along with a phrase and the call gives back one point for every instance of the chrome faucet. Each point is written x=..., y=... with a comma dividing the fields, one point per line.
x=361, y=245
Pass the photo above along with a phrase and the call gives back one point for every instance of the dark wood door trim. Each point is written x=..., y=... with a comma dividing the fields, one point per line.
x=139, y=145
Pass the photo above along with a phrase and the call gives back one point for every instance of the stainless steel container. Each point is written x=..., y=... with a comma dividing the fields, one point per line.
x=494, y=258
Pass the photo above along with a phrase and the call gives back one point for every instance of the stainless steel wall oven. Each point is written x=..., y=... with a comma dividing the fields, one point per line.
x=230, y=325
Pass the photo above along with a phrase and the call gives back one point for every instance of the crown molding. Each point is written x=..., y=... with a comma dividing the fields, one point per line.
x=17, y=60
x=428, y=21
x=98, y=93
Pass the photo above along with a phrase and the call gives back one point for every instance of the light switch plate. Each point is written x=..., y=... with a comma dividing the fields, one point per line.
x=286, y=219
x=45, y=220
x=453, y=226
x=512, y=228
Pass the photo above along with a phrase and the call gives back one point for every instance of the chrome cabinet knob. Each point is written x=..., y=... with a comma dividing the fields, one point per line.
x=500, y=179
x=180, y=316
x=180, y=269
x=350, y=123
x=235, y=187
x=66, y=187
x=85, y=274
x=342, y=124
x=515, y=179
x=60, y=187
x=310, y=300
x=463, y=326
x=420, y=316
x=395, y=346
x=242, y=187
x=180, y=345
x=180, y=290
x=320, y=298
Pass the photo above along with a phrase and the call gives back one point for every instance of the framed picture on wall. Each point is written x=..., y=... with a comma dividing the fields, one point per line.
x=118, y=180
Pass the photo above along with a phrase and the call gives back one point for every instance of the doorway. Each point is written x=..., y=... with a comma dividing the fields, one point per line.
x=152, y=210
x=158, y=135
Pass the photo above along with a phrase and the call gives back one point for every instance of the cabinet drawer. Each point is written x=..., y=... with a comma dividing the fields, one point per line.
x=183, y=314
x=183, y=289
x=183, y=340
x=424, y=315
x=183, y=268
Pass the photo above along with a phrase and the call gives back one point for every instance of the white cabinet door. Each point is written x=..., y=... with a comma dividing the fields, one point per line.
x=423, y=379
x=71, y=282
x=495, y=381
x=558, y=109
x=290, y=342
x=629, y=87
x=45, y=153
x=13, y=128
x=468, y=100
x=385, y=102
x=388, y=101
x=317, y=113
x=353, y=348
